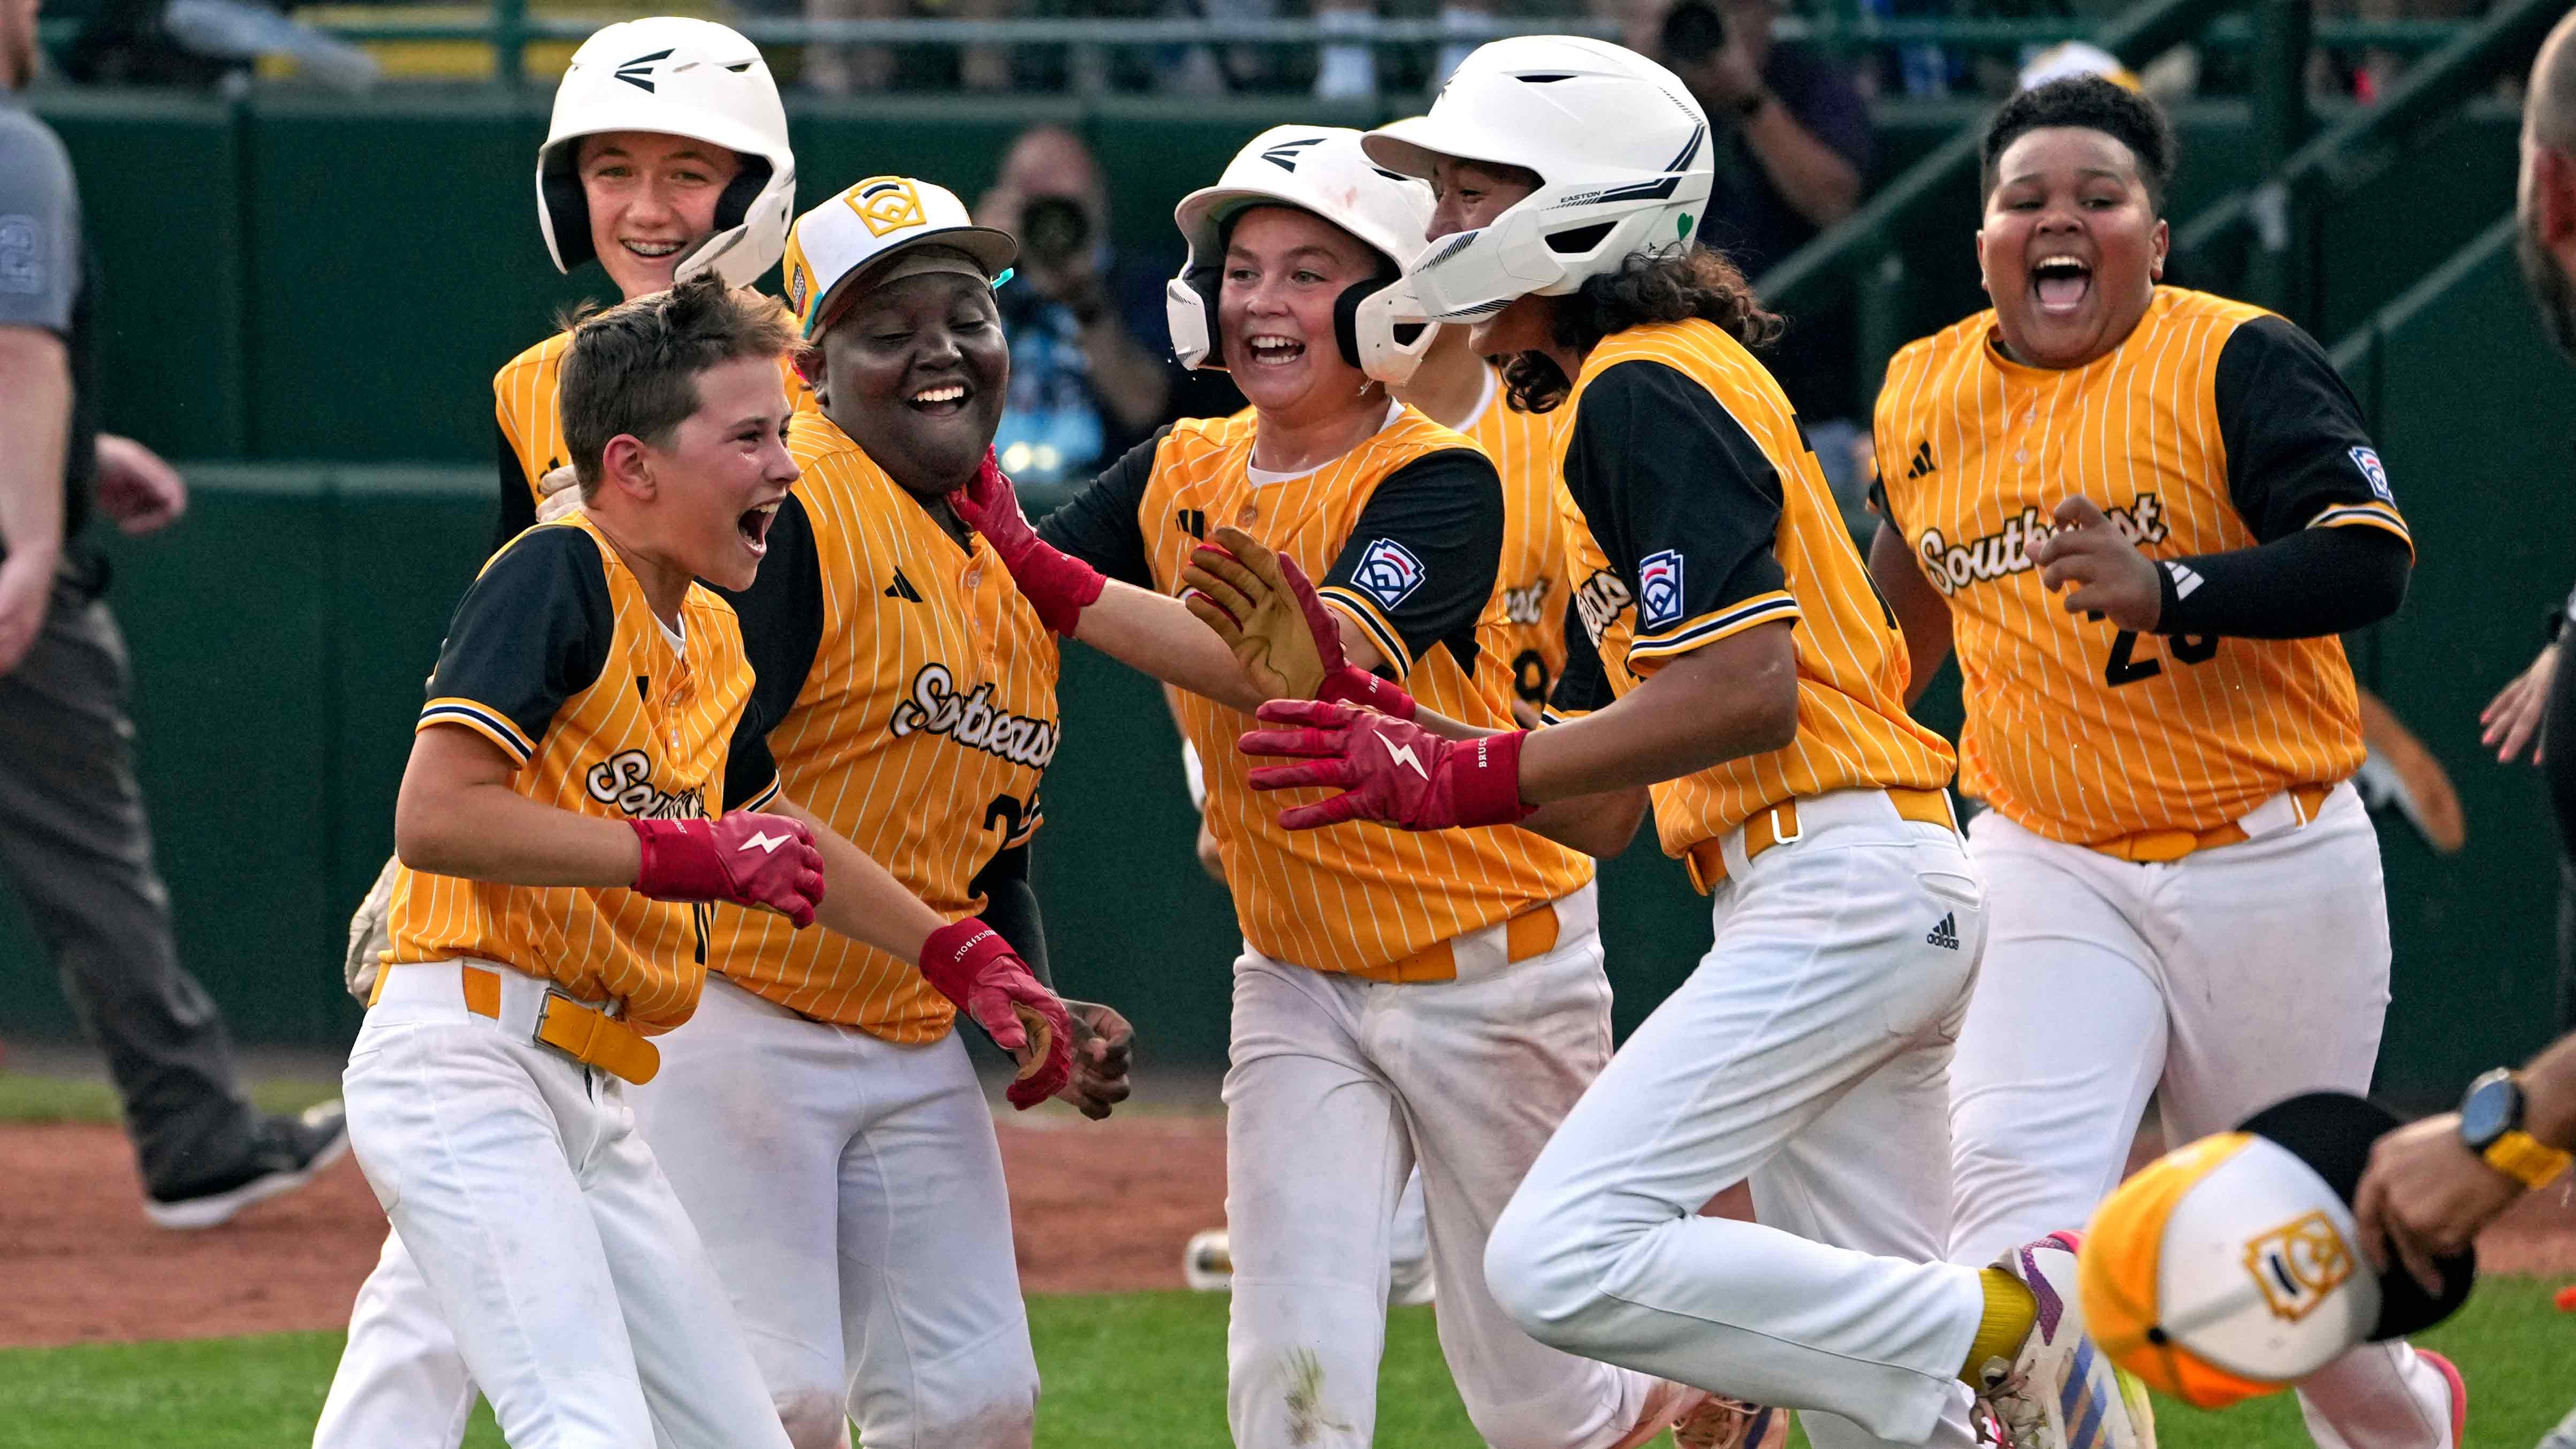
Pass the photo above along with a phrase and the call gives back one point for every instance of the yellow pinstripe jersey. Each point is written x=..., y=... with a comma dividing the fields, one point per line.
x=2215, y=426
x=523, y=402
x=923, y=722
x=1410, y=520
x=1523, y=634
x=555, y=657
x=1694, y=511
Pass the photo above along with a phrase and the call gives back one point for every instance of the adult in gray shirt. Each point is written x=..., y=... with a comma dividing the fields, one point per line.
x=73, y=839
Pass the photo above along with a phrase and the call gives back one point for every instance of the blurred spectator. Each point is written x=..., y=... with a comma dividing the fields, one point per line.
x=1793, y=151
x=1091, y=368
x=840, y=70
x=74, y=842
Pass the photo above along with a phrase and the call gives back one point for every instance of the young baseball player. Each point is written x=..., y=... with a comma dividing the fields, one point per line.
x=554, y=826
x=1742, y=669
x=2142, y=515
x=1400, y=999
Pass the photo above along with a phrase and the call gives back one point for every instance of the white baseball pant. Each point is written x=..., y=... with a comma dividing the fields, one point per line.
x=1338, y=1086
x=1808, y=1053
x=850, y=1195
x=2220, y=983
x=571, y=1278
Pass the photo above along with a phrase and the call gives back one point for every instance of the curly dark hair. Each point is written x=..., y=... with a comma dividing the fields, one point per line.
x=1672, y=286
x=2091, y=103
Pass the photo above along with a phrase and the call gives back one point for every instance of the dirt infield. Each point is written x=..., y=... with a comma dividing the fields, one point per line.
x=1100, y=1208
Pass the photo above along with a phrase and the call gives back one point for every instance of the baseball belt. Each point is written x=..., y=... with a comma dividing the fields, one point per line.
x=591, y=1035
x=1778, y=825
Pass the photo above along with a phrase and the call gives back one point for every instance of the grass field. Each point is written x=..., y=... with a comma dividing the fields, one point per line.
x=1127, y=1371
x=1134, y=1371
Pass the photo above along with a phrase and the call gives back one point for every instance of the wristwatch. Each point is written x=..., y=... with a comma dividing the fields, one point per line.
x=2491, y=1127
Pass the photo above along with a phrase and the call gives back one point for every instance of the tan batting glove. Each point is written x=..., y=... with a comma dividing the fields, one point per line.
x=558, y=494
x=371, y=934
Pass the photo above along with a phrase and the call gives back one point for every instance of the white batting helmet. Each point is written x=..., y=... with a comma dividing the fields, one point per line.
x=1621, y=151
x=1319, y=169
x=676, y=77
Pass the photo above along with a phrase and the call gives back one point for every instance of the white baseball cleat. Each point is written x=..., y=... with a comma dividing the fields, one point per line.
x=2060, y=1391
x=1207, y=1264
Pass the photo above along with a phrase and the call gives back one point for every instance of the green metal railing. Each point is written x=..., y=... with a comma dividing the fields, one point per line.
x=2278, y=217
x=510, y=29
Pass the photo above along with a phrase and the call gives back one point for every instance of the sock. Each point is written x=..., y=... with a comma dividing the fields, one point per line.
x=2011, y=1312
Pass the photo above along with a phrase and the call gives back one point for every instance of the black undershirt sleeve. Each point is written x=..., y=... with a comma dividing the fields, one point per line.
x=1585, y=685
x=532, y=632
x=518, y=499
x=2315, y=582
x=2558, y=751
x=2296, y=453
x=1682, y=499
x=1099, y=525
x=782, y=627
x=1011, y=908
x=1420, y=563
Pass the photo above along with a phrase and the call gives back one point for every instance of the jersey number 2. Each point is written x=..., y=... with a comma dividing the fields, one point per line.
x=2125, y=668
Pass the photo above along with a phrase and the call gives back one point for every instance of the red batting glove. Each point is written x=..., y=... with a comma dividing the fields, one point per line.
x=1056, y=583
x=970, y=964
x=1391, y=771
x=747, y=858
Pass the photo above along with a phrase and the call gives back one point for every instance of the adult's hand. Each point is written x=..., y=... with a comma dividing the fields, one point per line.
x=2425, y=1196
x=141, y=492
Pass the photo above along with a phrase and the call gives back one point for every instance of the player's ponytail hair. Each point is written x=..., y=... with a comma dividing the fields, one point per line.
x=1673, y=286
x=633, y=369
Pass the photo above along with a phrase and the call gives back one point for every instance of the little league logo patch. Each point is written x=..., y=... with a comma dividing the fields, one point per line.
x=2367, y=460
x=887, y=204
x=1388, y=573
x=1659, y=583
x=2298, y=1263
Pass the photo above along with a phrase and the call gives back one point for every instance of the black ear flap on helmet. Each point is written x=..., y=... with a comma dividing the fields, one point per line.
x=568, y=209
x=1346, y=308
x=742, y=191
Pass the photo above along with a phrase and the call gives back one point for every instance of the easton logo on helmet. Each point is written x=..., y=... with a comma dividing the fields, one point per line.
x=639, y=71
x=1285, y=154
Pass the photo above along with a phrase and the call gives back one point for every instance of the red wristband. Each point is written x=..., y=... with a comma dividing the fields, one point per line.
x=679, y=861
x=1487, y=780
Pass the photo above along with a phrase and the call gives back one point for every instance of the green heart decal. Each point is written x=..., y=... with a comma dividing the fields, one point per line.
x=1683, y=226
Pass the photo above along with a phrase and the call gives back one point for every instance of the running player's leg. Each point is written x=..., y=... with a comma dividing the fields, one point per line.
x=2278, y=952
x=937, y=1334
x=700, y=1381
x=1872, y=1174
x=747, y=1118
x=1822, y=972
x=401, y=1383
x=2063, y=1042
x=1314, y=1158
x=1486, y=1067
x=1410, y=1279
x=467, y=1139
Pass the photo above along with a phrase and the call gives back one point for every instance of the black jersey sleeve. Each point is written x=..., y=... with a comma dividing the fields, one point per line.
x=532, y=632
x=1420, y=563
x=1585, y=685
x=1099, y=525
x=1011, y=907
x=2297, y=453
x=518, y=496
x=782, y=628
x=1684, y=502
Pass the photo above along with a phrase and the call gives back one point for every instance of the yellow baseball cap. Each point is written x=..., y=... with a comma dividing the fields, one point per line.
x=858, y=231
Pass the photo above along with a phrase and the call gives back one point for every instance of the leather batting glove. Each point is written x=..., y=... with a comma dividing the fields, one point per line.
x=1391, y=771
x=1056, y=583
x=747, y=858
x=969, y=963
x=1266, y=610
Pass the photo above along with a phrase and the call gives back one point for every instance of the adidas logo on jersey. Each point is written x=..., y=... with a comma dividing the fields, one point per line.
x=1923, y=463
x=1944, y=935
x=902, y=589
